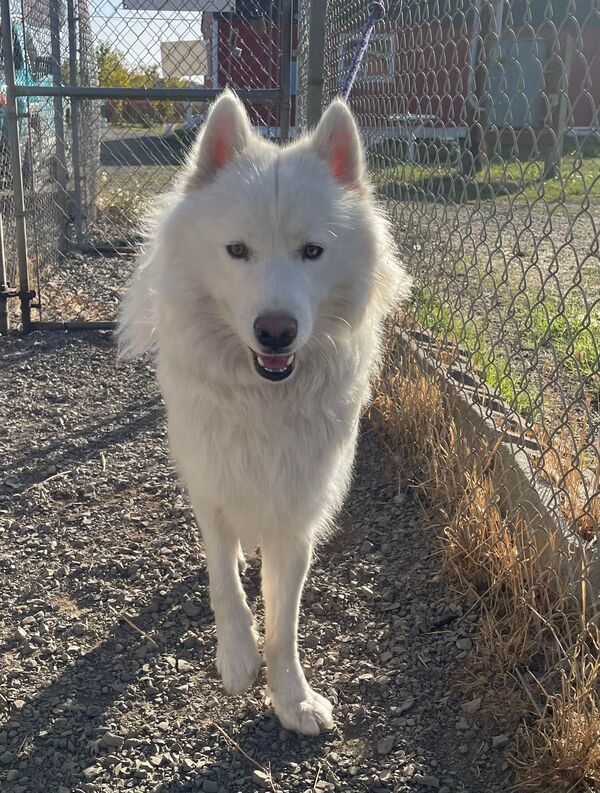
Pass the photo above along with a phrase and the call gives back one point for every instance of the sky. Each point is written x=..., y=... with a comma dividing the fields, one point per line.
x=138, y=33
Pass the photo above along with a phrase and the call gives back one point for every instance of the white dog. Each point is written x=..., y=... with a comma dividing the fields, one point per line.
x=263, y=290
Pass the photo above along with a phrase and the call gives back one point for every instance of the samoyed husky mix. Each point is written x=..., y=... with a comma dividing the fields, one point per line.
x=263, y=290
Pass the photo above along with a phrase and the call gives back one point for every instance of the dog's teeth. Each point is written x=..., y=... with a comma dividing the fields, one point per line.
x=261, y=362
x=289, y=360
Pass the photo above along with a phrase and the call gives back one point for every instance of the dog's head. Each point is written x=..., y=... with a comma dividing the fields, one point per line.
x=283, y=242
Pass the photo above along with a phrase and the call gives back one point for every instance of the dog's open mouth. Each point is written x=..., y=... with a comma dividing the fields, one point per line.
x=274, y=367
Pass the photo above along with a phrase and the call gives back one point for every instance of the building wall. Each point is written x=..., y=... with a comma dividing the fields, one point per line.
x=258, y=66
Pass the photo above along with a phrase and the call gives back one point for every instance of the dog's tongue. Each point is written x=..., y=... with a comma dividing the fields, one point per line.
x=276, y=363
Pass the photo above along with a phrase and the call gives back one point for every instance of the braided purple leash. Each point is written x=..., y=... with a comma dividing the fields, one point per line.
x=376, y=14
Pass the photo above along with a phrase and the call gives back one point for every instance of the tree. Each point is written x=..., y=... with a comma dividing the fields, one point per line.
x=113, y=69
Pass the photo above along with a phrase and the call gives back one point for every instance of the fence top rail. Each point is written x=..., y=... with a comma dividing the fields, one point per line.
x=101, y=92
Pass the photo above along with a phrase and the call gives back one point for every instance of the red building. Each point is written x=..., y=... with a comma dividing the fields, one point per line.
x=244, y=51
x=423, y=65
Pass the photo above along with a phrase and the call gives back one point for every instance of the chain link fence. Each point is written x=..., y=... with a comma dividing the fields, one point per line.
x=481, y=125
x=109, y=96
x=482, y=129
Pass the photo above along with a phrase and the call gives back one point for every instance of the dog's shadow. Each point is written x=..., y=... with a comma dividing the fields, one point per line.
x=87, y=689
x=242, y=759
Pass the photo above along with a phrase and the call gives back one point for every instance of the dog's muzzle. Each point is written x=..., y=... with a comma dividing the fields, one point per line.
x=274, y=367
x=275, y=333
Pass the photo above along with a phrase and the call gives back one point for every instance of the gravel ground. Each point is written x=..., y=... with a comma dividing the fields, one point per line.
x=95, y=531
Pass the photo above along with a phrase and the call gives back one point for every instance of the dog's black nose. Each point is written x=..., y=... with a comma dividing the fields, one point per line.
x=275, y=332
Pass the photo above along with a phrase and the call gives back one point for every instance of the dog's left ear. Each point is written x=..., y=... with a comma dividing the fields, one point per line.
x=337, y=141
x=226, y=133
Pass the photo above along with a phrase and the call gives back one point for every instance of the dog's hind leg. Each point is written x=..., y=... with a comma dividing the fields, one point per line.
x=238, y=659
x=285, y=562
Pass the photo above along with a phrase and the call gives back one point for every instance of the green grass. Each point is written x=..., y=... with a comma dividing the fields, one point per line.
x=148, y=129
x=493, y=367
x=573, y=330
x=575, y=180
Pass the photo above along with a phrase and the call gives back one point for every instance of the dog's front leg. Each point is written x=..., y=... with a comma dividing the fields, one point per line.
x=285, y=562
x=238, y=659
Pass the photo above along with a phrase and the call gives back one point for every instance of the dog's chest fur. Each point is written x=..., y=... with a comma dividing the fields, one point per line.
x=266, y=455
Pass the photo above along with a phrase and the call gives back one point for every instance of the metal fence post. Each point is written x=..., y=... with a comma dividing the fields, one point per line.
x=285, y=105
x=60, y=157
x=5, y=291
x=12, y=117
x=553, y=157
x=75, y=129
x=316, y=55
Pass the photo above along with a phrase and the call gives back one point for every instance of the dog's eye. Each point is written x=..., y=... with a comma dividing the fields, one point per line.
x=237, y=250
x=311, y=251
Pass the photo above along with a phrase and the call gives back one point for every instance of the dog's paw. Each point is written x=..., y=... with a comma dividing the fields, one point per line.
x=238, y=662
x=308, y=713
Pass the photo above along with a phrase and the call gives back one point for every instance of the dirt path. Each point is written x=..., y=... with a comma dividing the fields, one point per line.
x=93, y=525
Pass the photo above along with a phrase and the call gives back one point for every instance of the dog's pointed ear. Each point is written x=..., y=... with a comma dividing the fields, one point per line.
x=226, y=133
x=337, y=141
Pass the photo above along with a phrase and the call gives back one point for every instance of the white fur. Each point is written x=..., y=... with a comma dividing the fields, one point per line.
x=265, y=463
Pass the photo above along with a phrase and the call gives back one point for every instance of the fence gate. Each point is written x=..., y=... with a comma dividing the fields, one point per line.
x=103, y=99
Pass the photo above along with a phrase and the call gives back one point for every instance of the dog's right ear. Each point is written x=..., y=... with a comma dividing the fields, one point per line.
x=337, y=141
x=226, y=133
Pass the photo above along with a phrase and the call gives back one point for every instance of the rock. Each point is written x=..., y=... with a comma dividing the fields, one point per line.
x=79, y=629
x=91, y=772
x=464, y=644
x=403, y=707
x=260, y=778
x=192, y=610
x=6, y=758
x=208, y=786
x=499, y=741
x=12, y=775
x=472, y=706
x=268, y=725
x=19, y=704
x=385, y=745
x=111, y=740
x=188, y=765
x=426, y=781
x=184, y=666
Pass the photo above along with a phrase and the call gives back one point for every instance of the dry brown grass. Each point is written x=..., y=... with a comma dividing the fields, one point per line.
x=537, y=652
x=571, y=463
x=565, y=740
